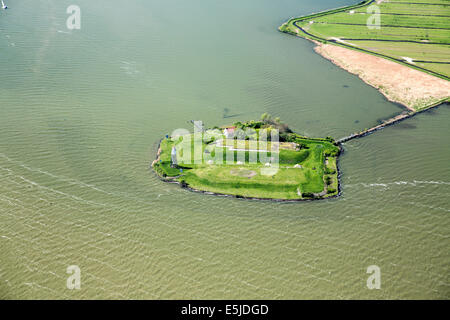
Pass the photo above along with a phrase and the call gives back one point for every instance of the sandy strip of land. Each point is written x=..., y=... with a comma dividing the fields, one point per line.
x=409, y=87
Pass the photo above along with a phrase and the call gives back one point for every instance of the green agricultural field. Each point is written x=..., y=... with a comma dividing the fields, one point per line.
x=414, y=33
x=295, y=168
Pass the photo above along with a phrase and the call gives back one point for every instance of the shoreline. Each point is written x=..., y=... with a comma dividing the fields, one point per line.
x=318, y=49
x=303, y=33
x=408, y=113
x=394, y=81
x=399, y=80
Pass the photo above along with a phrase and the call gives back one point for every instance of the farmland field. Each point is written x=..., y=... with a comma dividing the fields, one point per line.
x=416, y=34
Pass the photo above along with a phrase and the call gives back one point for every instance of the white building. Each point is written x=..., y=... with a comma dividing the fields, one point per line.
x=229, y=132
x=173, y=158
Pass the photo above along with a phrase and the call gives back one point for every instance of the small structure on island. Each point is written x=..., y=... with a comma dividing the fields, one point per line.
x=229, y=132
x=173, y=158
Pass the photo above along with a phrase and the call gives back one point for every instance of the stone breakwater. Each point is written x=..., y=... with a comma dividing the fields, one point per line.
x=388, y=122
x=385, y=123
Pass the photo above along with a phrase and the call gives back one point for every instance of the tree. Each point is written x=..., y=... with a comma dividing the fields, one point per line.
x=266, y=117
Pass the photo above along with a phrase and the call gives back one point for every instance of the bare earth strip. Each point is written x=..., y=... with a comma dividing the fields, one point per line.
x=411, y=88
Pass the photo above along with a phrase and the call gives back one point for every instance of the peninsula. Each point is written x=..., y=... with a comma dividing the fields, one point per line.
x=256, y=160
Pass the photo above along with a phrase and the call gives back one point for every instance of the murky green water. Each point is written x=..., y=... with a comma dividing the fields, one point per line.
x=81, y=113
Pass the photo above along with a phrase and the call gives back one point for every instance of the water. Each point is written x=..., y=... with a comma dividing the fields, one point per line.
x=81, y=113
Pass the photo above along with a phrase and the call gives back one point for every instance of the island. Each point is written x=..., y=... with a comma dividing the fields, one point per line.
x=260, y=159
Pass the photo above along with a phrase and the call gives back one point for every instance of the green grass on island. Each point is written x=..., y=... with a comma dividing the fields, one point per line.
x=415, y=33
x=292, y=167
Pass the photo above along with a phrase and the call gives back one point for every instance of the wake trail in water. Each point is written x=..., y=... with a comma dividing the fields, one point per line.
x=413, y=183
x=69, y=180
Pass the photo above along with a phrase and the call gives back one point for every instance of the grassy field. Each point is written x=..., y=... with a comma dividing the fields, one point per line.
x=414, y=33
x=304, y=168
